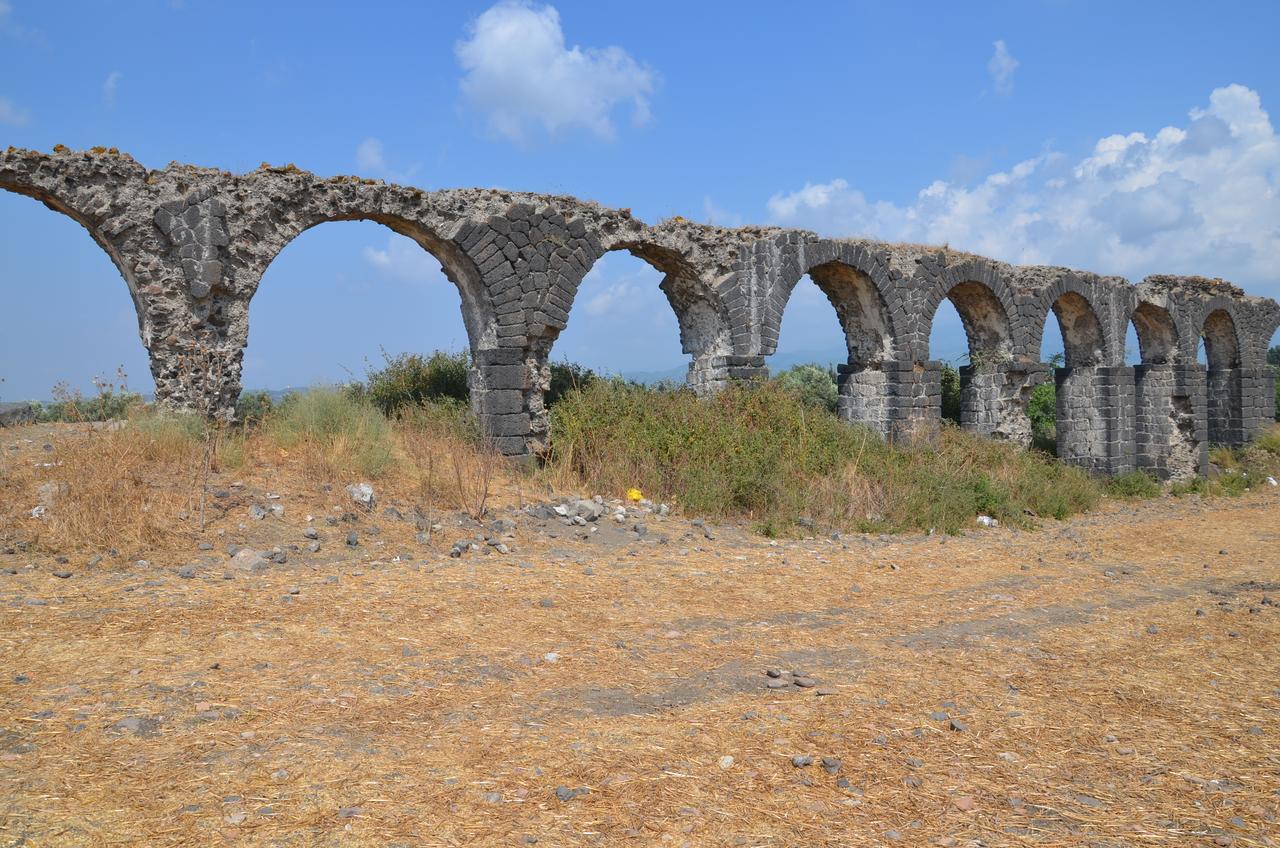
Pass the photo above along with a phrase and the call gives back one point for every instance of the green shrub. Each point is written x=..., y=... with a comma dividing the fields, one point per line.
x=950, y=394
x=341, y=433
x=105, y=406
x=1135, y=484
x=1042, y=409
x=763, y=452
x=813, y=384
x=565, y=377
x=410, y=379
x=252, y=407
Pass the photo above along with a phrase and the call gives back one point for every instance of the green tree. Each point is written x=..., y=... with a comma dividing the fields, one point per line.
x=812, y=383
x=950, y=393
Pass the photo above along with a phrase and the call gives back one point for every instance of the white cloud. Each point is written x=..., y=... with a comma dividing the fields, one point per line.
x=1199, y=199
x=15, y=30
x=109, y=87
x=719, y=217
x=371, y=160
x=1001, y=67
x=13, y=114
x=369, y=155
x=405, y=260
x=518, y=72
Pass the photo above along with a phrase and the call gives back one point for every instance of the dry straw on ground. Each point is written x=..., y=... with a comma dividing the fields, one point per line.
x=414, y=703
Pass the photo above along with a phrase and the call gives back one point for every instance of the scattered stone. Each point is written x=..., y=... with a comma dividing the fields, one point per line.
x=1152, y=629
x=294, y=590
x=313, y=547
x=361, y=494
x=725, y=762
x=964, y=803
x=187, y=572
x=350, y=812
x=804, y=682
x=939, y=716
x=311, y=533
x=205, y=546
x=777, y=684
x=959, y=726
x=564, y=793
x=828, y=690
x=987, y=521
x=353, y=539
x=546, y=603
x=831, y=765
x=247, y=559
x=801, y=761
x=62, y=574
x=491, y=797
x=773, y=672
x=257, y=513
x=236, y=818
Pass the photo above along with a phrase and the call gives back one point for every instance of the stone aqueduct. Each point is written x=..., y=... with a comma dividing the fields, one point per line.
x=192, y=245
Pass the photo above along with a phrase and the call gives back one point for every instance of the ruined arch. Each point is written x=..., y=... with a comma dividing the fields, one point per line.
x=1158, y=342
x=1221, y=342
x=857, y=289
x=1083, y=338
x=459, y=269
x=55, y=202
x=985, y=317
x=701, y=317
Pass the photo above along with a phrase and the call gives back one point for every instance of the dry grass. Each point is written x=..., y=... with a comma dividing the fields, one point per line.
x=122, y=485
x=273, y=717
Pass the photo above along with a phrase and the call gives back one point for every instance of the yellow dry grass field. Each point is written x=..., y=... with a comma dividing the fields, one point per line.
x=1109, y=681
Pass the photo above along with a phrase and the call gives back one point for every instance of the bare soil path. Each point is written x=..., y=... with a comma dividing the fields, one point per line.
x=1110, y=681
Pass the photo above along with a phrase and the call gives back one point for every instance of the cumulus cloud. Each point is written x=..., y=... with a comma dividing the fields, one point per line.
x=371, y=160
x=518, y=72
x=1203, y=198
x=109, y=87
x=404, y=260
x=369, y=155
x=1001, y=67
x=12, y=114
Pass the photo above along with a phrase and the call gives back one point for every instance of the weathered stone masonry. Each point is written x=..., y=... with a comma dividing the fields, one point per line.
x=192, y=245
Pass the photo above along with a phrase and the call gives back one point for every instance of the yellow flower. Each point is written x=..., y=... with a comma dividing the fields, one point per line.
x=634, y=495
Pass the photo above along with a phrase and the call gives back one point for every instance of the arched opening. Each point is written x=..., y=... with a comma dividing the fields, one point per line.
x=625, y=323
x=1222, y=379
x=1167, y=401
x=1151, y=336
x=1087, y=422
x=970, y=335
x=339, y=299
x=74, y=322
x=836, y=364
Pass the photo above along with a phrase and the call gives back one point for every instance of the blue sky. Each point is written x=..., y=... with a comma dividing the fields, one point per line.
x=1123, y=138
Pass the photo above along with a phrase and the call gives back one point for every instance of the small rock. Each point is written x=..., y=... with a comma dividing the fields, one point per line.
x=725, y=762
x=237, y=818
x=801, y=761
x=62, y=574
x=491, y=797
x=187, y=572
x=257, y=513
x=964, y=803
x=1152, y=629
x=805, y=682
x=831, y=765
x=205, y=546
x=958, y=726
x=777, y=684
x=350, y=812
x=311, y=533
x=353, y=539
x=361, y=494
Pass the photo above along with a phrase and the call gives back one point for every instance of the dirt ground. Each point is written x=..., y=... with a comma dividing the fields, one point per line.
x=1112, y=680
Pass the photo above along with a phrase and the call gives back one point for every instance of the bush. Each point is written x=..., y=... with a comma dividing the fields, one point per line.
x=410, y=379
x=252, y=407
x=107, y=405
x=1135, y=484
x=338, y=435
x=565, y=377
x=1042, y=409
x=950, y=394
x=765, y=453
x=812, y=384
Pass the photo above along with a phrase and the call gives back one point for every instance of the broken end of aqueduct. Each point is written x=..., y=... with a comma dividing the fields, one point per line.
x=193, y=243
